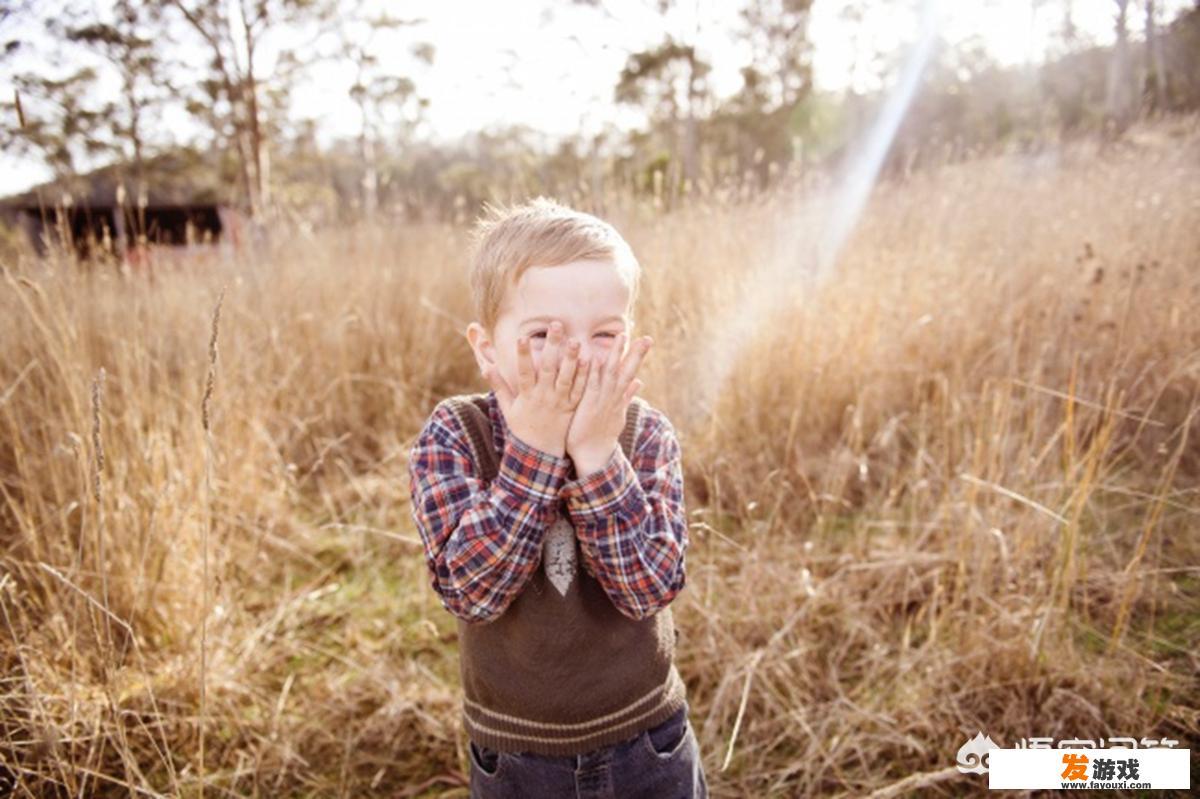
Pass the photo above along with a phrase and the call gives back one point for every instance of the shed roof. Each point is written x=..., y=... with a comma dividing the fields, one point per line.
x=175, y=178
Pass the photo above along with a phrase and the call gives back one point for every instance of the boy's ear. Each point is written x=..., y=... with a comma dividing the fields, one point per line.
x=481, y=345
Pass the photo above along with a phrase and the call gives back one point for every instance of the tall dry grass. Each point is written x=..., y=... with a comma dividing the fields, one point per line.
x=953, y=488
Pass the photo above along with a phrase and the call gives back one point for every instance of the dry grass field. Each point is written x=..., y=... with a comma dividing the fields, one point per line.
x=953, y=488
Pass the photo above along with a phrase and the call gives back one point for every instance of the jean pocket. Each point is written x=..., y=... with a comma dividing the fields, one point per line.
x=488, y=762
x=667, y=739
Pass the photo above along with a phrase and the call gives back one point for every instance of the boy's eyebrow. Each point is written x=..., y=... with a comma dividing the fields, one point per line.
x=611, y=318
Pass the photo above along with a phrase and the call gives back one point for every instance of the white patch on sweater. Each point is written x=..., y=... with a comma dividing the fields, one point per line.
x=558, y=554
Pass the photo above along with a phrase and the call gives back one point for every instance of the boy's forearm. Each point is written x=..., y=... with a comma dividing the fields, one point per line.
x=633, y=538
x=491, y=557
x=483, y=553
x=589, y=461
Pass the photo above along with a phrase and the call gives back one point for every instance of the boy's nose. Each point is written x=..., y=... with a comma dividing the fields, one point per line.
x=587, y=350
x=594, y=349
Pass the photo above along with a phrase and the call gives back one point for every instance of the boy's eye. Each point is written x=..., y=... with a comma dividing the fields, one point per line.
x=542, y=334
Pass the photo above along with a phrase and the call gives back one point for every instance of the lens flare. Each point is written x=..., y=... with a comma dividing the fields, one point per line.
x=815, y=229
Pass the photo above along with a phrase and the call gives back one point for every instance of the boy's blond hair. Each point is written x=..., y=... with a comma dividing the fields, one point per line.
x=539, y=232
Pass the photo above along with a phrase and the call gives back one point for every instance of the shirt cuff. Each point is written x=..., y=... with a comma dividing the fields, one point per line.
x=530, y=473
x=592, y=497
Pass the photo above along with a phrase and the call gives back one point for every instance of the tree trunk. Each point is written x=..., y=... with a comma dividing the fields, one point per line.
x=211, y=30
x=256, y=145
x=370, y=179
x=1117, y=101
x=1155, y=68
x=597, y=172
x=690, y=137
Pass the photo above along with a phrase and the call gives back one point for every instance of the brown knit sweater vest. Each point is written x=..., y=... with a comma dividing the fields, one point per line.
x=562, y=674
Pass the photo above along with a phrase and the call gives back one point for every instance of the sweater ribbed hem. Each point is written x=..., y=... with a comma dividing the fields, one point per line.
x=507, y=733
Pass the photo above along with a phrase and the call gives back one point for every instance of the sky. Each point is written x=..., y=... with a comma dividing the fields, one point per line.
x=553, y=65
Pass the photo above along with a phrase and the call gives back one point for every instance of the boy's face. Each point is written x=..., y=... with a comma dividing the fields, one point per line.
x=589, y=298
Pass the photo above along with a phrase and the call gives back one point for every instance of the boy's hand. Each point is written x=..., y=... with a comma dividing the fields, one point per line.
x=600, y=416
x=539, y=411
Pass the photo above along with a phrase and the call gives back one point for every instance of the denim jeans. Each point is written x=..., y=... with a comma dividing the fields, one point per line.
x=660, y=763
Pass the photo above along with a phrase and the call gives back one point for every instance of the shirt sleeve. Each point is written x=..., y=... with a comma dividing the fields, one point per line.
x=482, y=541
x=631, y=523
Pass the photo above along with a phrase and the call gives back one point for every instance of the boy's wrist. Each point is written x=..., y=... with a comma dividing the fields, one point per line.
x=591, y=459
x=595, y=494
x=531, y=473
x=557, y=451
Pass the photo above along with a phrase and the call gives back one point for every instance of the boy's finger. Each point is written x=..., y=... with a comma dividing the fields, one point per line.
x=598, y=364
x=582, y=379
x=618, y=351
x=550, y=353
x=633, y=389
x=526, y=377
x=503, y=393
x=566, y=372
x=613, y=359
x=634, y=362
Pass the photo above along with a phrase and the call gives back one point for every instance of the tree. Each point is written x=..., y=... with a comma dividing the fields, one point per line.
x=384, y=100
x=53, y=116
x=56, y=122
x=128, y=44
x=1156, y=70
x=236, y=92
x=777, y=31
x=1119, y=95
x=668, y=82
x=770, y=109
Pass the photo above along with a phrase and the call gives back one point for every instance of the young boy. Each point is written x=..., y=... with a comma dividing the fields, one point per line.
x=551, y=509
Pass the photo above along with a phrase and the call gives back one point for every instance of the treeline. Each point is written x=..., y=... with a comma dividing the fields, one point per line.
x=969, y=103
x=260, y=159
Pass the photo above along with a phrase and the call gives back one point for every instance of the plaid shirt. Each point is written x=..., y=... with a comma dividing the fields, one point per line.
x=484, y=541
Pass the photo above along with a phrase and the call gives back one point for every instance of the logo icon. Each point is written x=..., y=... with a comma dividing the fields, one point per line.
x=973, y=755
x=558, y=554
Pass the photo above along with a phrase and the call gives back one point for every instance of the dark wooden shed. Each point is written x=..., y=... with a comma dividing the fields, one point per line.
x=110, y=209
